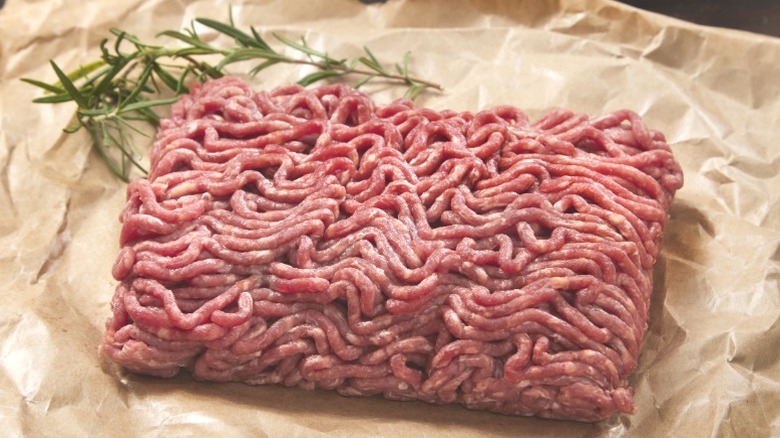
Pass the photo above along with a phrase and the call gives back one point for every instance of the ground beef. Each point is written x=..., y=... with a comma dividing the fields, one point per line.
x=312, y=238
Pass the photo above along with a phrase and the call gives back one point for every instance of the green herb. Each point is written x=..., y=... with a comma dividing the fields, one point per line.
x=117, y=93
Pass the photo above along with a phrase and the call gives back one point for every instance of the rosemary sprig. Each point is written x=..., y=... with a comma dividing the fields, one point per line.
x=118, y=92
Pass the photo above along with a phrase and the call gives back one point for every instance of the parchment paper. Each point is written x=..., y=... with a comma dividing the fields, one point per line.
x=710, y=364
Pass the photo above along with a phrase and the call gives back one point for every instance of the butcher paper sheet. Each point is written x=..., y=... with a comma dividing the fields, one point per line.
x=710, y=363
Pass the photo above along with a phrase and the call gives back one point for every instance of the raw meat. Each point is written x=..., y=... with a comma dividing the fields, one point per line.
x=312, y=238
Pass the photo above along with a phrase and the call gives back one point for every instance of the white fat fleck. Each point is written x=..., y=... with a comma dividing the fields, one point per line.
x=192, y=127
x=164, y=333
x=616, y=218
x=560, y=282
x=451, y=317
x=403, y=386
x=182, y=189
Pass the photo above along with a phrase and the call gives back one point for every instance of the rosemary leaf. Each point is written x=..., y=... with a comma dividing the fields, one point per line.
x=98, y=144
x=364, y=81
x=146, y=104
x=141, y=83
x=40, y=84
x=262, y=66
x=107, y=82
x=189, y=39
x=301, y=47
x=414, y=90
x=144, y=115
x=56, y=98
x=246, y=54
x=132, y=38
x=240, y=37
x=122, y=121
x=73, y=128
x=318, y=76
x=373, y=63
x=71, y=89
x=168, y=79
x=180, y=87
x=260, y=42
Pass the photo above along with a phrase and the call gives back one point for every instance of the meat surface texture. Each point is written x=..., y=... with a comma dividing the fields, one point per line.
x=313, y=238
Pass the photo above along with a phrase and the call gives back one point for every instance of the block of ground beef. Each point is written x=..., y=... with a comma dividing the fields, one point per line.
x=314, y=238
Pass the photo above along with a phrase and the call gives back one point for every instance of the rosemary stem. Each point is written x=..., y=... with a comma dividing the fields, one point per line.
x=157, y=53
x=117, y=92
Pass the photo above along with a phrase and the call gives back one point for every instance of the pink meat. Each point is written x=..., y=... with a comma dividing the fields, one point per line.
x=313, y=238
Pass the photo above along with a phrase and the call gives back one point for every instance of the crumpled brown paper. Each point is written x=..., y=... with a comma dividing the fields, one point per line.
x=711, y=359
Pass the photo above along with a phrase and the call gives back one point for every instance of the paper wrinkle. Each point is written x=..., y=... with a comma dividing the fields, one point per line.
x=709, y=365
x=57, y=247
x=21, y=364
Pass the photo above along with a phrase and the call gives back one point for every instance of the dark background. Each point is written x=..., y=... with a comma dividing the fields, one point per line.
x=760, y=16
